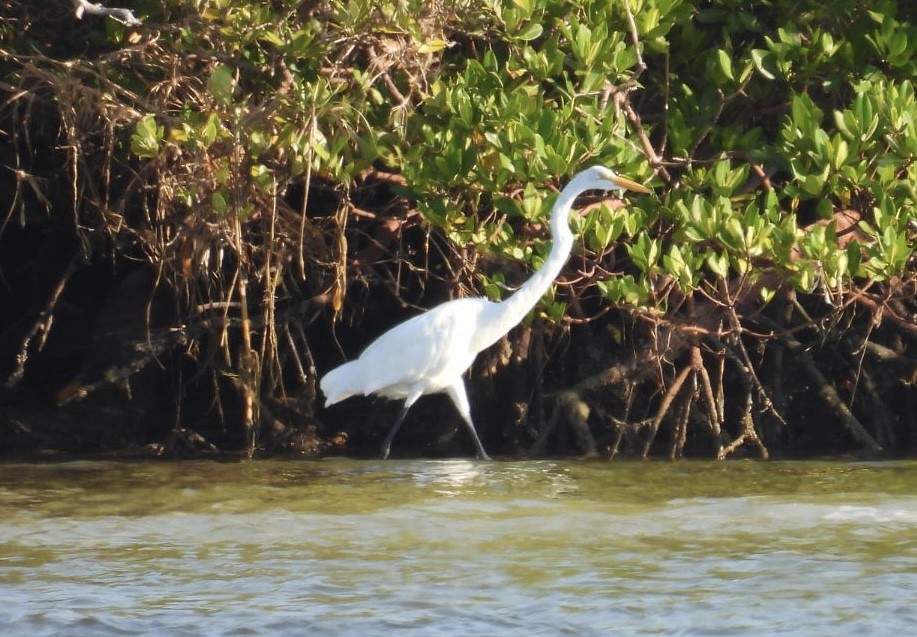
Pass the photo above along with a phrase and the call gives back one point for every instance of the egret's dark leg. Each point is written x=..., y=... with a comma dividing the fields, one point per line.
x=457, y=393
x=387, y=445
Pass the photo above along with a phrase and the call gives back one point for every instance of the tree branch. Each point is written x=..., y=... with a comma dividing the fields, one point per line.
x=124, y=16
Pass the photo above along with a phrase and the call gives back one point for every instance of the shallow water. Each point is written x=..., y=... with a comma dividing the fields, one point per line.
x=343, y=547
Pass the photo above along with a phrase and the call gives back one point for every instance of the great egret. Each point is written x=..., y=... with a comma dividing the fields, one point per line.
x=428, y=353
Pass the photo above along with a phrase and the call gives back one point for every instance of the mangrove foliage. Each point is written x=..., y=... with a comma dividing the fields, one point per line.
x=204, y=205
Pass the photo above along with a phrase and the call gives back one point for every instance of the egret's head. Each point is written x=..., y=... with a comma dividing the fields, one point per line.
x=601, y=178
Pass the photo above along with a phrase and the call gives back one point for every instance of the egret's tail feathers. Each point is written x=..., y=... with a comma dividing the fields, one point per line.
x=331, y=399
x=334, y=385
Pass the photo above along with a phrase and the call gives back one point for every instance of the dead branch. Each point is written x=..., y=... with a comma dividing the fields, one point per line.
x=124, y=16
x=152, y=346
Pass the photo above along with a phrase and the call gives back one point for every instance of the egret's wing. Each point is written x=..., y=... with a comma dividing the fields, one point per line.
x=418, y=353
x=421, y=348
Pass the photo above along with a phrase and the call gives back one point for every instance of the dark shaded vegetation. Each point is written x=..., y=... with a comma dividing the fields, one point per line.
x=201, y=214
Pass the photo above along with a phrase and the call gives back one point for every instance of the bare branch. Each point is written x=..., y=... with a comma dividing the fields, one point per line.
x=635, y=40
x=124, y=16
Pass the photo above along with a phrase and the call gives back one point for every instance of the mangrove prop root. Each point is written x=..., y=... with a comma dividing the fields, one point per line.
x=570, y=403
x=885, y=432
x=748, y=434
x=622, y=426
x=158, y=342
x=667, y=399
x=748, y=367
x=701, y=403
x=714, y=409
x=696, y=370
x=574, y=411
x=828, y=394
x=825, y=389
x=680, y=434
x=42, y=325
x=571, y=408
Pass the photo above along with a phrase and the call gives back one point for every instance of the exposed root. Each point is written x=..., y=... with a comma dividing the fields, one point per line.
x=748, y=433
x=183, y=443
x=571, y=408
x=34, y=339
x=664, y=406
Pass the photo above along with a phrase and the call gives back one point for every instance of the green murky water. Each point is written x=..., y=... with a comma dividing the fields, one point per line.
x=341, y=547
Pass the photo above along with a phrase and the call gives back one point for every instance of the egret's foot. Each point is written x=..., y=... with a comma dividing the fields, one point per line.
x=480, y=454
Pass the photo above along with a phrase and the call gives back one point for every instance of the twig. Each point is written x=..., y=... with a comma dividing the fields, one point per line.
x=721, y=103
x=307, y=187
x=635, y=39
x=377, y=61
x=882, y=311
x=650, y=152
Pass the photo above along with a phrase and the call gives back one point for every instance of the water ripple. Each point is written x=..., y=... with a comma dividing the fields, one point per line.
x=458, y=548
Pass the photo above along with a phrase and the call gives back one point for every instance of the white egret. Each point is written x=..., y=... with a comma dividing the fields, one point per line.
x=428, y=353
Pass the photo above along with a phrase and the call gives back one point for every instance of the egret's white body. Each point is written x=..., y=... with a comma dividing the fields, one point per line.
x=428, y=353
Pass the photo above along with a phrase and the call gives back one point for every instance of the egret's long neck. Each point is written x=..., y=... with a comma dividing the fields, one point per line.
x=511, y=311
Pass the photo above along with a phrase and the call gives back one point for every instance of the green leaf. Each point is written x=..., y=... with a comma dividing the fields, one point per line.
x=555, y=310
x=526, y=6
x=626, y=290
x=645, y=252
x=146, y=138
x=718, y=264
x=840, y=153
x=725, y=64
x=432, y=46
x=221, y=84
x=219, y=200
x=531, y=31
x=494, y=286
x=210, y=130
x=263, y=177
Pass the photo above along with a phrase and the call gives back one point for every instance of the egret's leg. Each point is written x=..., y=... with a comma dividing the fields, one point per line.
x=387, y=445
x=457, y=393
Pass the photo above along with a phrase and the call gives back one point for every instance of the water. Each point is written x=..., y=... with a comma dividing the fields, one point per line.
x=452, y=548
